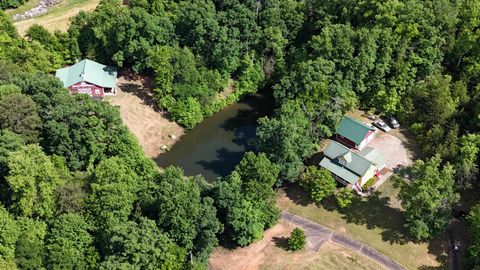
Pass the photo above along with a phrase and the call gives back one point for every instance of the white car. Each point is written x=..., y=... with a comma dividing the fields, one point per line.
x=381, y=125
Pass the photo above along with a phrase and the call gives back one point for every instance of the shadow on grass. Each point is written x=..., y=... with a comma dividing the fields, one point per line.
x=281, y=242
x=374, y=212
x=297, y=194
x=144, y=94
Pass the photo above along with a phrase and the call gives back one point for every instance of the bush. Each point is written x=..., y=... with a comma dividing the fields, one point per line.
x=344, y=197
x=318, y=182
x=297, y=240
x=369, y=183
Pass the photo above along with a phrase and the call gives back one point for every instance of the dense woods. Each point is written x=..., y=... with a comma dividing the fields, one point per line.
x=76, y=182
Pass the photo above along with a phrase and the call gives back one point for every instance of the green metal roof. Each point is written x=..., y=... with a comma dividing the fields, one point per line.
x=374, y=156
x=339, y=171
x=344, y=163
x=88, y=71
x=353, y=130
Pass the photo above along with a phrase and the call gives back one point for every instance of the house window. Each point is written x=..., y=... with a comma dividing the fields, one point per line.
x=97, y=91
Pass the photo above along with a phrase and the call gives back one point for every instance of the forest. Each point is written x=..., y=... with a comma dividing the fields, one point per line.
x=75, y=181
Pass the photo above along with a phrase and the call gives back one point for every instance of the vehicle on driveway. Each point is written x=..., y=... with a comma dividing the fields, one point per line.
x=392, y=122
x=381, y=125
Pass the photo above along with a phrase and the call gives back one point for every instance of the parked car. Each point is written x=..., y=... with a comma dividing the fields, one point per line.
x=392, y=122
x=381, y=125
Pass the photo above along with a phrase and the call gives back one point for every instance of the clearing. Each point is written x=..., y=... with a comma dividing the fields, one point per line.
x=376, y=220
x=139, y=112
x=270, y=253
x=57, y=18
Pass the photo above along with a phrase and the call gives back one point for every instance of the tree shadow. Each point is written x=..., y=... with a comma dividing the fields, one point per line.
x=374, y=211
x=141, y=92
x=411, y=144
x=225, y=162
x=315, y=159
x=297, y=194
x=281, y=242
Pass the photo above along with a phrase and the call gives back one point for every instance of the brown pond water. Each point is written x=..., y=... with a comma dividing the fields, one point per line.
x=216, y=145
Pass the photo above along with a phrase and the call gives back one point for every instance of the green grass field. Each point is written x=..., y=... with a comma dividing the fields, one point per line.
x=57, y=18
x=376, y=221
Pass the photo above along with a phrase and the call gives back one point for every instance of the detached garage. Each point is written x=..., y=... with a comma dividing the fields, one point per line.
x=89, y=77
x=354, y=134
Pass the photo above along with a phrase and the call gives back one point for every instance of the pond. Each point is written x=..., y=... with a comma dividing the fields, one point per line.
x=216, y=145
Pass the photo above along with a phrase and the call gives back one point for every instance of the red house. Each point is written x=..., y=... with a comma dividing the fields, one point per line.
x=354, y=134
x=89, y=77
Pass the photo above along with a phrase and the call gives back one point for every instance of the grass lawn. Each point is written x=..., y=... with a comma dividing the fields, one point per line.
x=57, y=18
x=270, y=253
x=330, y=256
x=376, y=221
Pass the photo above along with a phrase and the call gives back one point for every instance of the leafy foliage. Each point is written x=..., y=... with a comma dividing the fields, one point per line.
x=286, y=140
x=344, y=197
x=318, y=182
x=32, y=180
x=69, y=243
x=427, y=198
x=297, y=240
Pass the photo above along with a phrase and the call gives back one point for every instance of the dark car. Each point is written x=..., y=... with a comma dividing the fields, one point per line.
x=391, y=121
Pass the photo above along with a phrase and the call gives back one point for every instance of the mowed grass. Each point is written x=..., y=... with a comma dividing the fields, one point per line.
x=377, y=221
x=57, y=18
x=331, y=256
x=270, y=253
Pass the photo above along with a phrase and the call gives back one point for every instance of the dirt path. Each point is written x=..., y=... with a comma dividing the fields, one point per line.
x=318, y=234
x=138, y=111
x=56, y=20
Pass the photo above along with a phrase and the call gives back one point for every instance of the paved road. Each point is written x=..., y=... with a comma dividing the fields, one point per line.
x=318, y=234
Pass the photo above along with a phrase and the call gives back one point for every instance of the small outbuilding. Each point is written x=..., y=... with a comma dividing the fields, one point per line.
x=89, y=77
x=354, y=134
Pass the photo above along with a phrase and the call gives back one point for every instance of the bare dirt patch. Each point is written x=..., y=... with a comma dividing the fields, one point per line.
x=269, y=253
x=139, y=112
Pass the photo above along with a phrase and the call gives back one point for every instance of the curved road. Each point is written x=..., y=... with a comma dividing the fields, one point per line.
x=318, y=234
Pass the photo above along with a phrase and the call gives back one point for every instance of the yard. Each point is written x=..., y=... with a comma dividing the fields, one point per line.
x=139, y=113
x=269, y=253
x=57, y=18
x=376, y=220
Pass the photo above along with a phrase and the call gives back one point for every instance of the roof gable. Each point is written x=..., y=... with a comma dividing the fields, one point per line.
x=88, y=71
x=348, y=159
x=353, y=130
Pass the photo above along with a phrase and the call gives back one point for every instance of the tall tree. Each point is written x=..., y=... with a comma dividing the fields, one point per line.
x=32, y=180
x=142, y=246
x=18, y=113
x=286, y=140
x=427, y=197
x=70, y=245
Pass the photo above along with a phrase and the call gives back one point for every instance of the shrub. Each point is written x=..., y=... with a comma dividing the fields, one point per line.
x=369, y=183
x=344, y=197
x=297, y=240
x=318, y=182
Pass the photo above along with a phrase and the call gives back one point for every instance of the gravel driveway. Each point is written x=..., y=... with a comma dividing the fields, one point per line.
x=392, y=149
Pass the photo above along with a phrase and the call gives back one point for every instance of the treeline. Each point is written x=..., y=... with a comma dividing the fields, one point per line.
x=417, y=60
x=194, y=49
x=77, y=192
x=6, y=4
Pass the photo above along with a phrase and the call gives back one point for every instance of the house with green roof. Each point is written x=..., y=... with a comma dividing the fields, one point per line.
x=354, y=134
x=350, y=167
x=89, y=77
